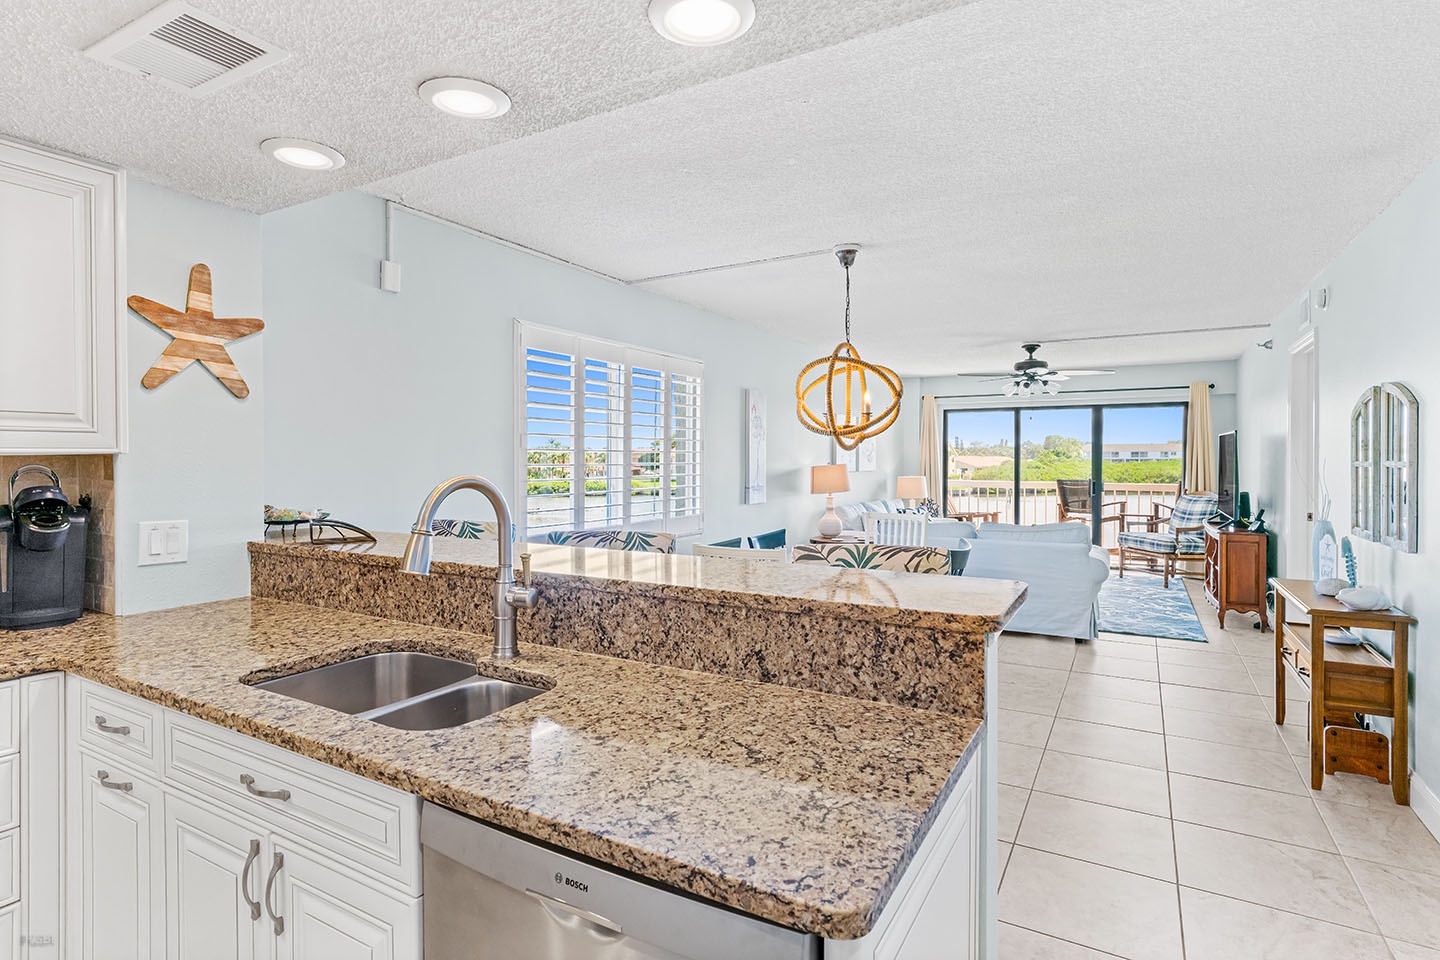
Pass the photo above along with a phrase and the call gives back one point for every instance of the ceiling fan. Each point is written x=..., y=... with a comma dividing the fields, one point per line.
x=1033, y=376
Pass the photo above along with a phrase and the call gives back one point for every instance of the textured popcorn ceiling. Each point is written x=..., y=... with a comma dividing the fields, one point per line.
x=351, y=78
x=1015, y=170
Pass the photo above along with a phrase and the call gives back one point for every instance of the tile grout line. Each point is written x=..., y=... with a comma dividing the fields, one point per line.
x=1170, y=803
x=1073, y=943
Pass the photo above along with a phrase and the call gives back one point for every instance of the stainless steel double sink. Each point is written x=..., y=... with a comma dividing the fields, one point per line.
x=411, y=691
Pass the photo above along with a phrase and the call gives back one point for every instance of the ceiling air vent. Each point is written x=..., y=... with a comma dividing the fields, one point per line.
x=186, y=49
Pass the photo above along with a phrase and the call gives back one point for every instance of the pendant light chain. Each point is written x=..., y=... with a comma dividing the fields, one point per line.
x=847, y=303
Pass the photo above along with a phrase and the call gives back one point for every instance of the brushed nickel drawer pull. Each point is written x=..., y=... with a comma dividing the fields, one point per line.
x=104, y=777
x=275, y=866
x=254, y=905
x=249, y=782
x=101, y=725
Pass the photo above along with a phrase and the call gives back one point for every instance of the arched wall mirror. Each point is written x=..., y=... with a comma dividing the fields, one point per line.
x=1384, y=463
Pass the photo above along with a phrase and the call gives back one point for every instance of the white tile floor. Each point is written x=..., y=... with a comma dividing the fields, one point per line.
x=1151, y=809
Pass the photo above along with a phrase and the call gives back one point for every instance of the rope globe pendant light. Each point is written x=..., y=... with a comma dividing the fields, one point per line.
x=844, y=378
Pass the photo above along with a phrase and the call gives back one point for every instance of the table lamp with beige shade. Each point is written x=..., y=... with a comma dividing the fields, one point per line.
x=830, y=479
x=911, y=490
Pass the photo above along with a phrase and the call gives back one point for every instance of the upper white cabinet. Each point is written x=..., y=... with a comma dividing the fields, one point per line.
x=61, y=270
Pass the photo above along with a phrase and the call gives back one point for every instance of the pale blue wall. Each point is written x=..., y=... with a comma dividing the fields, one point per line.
x=196, y=452
x=374, y=397
x=1380, y=325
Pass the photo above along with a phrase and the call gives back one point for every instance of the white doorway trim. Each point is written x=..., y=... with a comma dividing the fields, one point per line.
x=1301, y=452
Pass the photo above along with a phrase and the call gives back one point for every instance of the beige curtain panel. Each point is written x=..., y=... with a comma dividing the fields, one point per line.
x=931, y=452
x=1200, y=443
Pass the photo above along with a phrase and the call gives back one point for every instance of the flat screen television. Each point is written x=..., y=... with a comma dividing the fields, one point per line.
x=1229, y=483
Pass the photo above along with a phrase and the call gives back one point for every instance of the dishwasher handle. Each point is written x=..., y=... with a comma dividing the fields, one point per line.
x=555, y=905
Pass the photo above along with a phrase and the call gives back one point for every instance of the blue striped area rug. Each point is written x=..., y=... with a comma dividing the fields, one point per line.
x=1141, y=606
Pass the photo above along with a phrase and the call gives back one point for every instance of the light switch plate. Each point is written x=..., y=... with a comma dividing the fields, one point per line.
x=164, y=541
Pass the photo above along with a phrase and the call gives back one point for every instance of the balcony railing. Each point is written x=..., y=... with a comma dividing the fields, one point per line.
x=1040, y=502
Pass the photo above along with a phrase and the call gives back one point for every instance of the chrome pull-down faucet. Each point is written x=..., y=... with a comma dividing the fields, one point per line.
x=508, y=595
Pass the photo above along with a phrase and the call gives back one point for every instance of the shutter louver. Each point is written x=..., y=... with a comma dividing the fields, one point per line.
x=611, y=436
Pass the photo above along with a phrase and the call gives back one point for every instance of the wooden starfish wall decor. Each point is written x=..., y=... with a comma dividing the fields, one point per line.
x=199, y=335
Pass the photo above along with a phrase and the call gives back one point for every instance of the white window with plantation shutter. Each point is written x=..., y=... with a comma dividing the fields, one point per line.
x=610, y=435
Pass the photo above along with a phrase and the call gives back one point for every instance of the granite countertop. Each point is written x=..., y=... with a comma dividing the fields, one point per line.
x=961, y=604
x=799, y=807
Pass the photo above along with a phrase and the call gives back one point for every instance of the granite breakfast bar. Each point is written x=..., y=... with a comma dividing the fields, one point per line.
x=777, y=743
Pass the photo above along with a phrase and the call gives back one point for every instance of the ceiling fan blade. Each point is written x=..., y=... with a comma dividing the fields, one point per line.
x=989, y=376
x=1086, y=373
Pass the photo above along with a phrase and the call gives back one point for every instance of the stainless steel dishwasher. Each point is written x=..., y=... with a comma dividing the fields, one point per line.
x=493, y=896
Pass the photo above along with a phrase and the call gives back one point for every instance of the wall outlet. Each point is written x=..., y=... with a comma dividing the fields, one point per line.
x=164, y=541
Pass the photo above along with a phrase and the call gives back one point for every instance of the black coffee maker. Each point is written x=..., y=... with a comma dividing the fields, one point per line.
x=42, y=555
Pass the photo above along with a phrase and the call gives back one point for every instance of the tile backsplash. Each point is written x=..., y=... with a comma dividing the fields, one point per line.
x=91, y=473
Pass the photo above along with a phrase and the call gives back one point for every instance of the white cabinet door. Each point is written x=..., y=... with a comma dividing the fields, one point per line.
x=10, y=931
x=121, y=859
x=214, y=875
x=42, y=776
x=326, y=914
x=61, y=370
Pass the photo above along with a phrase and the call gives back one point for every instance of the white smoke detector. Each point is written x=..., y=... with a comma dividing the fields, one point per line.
x=186, y=49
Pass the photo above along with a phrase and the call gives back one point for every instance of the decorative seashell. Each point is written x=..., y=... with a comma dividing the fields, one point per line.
x=1363, y=598
x=1329, y=586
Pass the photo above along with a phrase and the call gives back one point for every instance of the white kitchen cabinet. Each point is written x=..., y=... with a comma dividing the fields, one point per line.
x=118, y=863
x=936, y=908
x=221, y=835
x=31, y=786
x=62, y=371
x=214, y=877
x=324, y=912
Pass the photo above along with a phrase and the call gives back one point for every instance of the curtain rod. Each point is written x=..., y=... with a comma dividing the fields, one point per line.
x=1001, y=396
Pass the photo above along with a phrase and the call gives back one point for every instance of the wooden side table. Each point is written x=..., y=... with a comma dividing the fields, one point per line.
x=1344, y=680
x=1235, y=572
x=976, y=516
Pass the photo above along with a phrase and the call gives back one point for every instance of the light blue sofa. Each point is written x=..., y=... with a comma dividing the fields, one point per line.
x=1064, y=571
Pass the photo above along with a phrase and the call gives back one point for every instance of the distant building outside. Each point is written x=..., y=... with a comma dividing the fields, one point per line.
x=1139, y=452
x=964, y=465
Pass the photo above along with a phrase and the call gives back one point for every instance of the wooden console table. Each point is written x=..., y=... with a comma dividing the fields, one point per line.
x=1344, y=679
x=1235, y=571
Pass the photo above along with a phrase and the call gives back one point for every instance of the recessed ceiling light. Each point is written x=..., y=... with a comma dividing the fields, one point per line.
x=465, y=98
x=305, y=154
x=702, y=23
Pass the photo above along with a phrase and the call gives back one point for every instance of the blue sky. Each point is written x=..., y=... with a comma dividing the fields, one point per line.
x=1122, y=424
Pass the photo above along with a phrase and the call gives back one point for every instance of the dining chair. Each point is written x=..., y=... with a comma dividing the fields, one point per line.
x=896, y=529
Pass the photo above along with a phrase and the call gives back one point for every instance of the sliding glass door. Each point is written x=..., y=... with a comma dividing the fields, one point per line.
x=1042, y=464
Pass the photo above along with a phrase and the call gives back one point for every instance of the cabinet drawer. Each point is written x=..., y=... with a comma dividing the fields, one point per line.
x=368, y=824
x=9, y=717
x=9, y=866
x=115, y=724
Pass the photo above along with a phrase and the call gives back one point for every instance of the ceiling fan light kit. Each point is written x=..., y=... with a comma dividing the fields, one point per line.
x=845, y=377
x=1032, y=376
